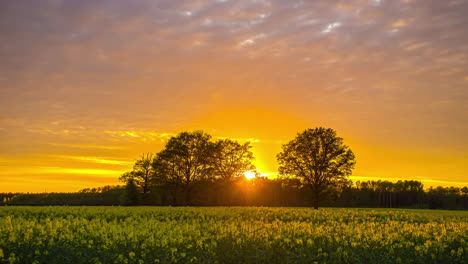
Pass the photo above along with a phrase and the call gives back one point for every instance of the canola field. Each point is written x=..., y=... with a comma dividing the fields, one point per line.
x=231, y=235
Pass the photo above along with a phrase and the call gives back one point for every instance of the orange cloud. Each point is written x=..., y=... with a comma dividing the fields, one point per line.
x=389, y=76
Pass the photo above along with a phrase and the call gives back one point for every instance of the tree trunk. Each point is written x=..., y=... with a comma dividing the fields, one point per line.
x=316, y=200
x=188, y=196
x=173, y=194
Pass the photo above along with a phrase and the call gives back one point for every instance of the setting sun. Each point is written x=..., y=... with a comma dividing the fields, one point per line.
x=250, y=174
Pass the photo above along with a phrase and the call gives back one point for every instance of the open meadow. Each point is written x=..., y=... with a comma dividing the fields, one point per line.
x=231, y=235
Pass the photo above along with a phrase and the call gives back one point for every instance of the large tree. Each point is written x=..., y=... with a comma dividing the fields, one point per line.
x=232, y=159
x=185, y=161
x=319, y=158
x=142, y=174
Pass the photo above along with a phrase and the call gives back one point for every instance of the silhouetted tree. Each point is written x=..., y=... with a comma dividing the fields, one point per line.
x=232, y=159
x=142, y=174
x=130, y=196
x=319, y=158
x=185, y=161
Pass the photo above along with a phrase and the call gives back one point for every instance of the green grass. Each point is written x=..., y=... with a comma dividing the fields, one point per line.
x=231, y=235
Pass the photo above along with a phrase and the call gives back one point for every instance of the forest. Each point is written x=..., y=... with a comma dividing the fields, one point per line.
x=262, y=191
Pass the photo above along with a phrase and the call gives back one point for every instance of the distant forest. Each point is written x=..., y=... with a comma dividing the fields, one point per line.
x=195, y=170
x=264, y=192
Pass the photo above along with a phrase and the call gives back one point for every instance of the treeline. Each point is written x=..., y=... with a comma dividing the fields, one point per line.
x=5, y=198
x=195, y=169
x=107, y=195
x=403, y=194
x=262, y=191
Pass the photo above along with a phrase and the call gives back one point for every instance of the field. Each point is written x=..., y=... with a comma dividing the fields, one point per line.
x=231, y=235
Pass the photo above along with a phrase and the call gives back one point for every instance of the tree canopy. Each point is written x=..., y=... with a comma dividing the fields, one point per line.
x=185, y=160
x=232, y=159
x=319, y=158
x=142, y=173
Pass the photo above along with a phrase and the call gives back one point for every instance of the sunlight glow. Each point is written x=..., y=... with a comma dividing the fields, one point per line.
x=250, y=174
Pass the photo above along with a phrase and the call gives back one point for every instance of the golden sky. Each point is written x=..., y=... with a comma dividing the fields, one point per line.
x=87, y=86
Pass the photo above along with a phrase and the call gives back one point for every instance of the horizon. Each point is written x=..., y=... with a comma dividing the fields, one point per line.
x=87, y=87
x=354, y=179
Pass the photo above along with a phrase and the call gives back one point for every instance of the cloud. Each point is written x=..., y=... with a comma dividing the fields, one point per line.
x=252, y=40
x=252, y=140
x=141, y=135
x=331, y=26
x=400, y=23
x=99, y=160
x=86, y=146
x=93, y=75
x=162, y=136
x=59, y=170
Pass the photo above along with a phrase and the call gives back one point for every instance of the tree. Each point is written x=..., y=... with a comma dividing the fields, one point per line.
x=185, y=161
x=142, y=173
x=130, y=196
x=232, y=159
x=319, y=158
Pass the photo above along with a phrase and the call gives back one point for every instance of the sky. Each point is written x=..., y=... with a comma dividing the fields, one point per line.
x=86, y=87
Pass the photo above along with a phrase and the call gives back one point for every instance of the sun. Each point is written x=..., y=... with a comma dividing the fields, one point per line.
x=250, y=174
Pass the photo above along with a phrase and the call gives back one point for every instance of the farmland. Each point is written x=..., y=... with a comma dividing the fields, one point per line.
x=231, y=235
